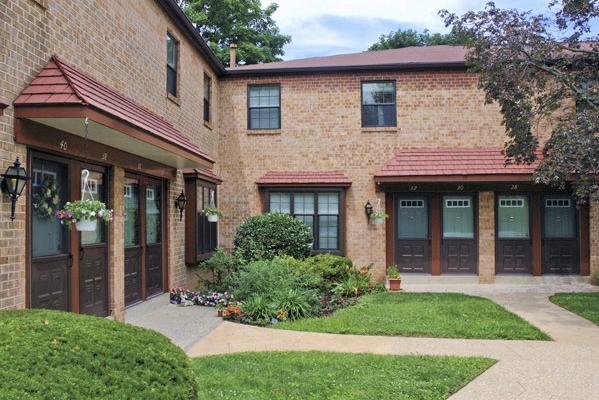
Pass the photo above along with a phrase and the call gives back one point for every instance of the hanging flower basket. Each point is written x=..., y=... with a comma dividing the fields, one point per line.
x=212, y=213
x=378, y=217
x=84, y=210
x=86, y=225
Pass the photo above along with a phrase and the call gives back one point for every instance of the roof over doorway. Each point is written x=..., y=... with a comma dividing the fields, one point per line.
x=63, y=97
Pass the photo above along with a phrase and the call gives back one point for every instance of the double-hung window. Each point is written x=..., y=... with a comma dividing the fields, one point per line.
x=172, y=55
x=319, y=209
x=264, y=107
x=378, y=104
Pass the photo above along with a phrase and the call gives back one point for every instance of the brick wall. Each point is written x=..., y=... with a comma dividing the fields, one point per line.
x=321, y=130
x=121, y=43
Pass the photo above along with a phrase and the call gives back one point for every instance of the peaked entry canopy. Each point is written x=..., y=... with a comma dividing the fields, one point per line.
x=63, y=97
x=436, y=165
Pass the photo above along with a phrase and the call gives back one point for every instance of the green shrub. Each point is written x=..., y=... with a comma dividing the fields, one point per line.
x=356, y=283
x=48, y=354
x=218, y=267
x=259, y=308
x=331, y=268
x=263, y=237
x=296, y=303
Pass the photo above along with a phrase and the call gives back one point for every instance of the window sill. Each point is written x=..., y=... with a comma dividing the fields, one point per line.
x=174, y=99
x=259, y=132
x=374, y=129
x=208, y=125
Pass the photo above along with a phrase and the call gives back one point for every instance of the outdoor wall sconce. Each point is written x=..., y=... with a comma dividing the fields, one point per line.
x=13, y=183
x=368, y=209
x=180, y=205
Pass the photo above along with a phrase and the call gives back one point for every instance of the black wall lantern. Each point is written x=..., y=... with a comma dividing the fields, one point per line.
x=13, y=183
x=180, y=204
x=368, y=209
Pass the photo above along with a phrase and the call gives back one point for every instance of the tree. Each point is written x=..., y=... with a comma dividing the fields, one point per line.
x=399, y=39
x=240, y=22
x=543, y=76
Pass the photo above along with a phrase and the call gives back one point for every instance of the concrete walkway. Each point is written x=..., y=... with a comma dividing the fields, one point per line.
x=565, y=368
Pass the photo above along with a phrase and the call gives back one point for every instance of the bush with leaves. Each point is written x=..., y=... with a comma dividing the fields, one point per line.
x=263, y=237
x=356, y=283
x=218, y=268
x=331, y=268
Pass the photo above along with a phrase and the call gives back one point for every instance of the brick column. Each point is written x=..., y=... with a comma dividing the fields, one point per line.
x=116, y=272
x=486, y=237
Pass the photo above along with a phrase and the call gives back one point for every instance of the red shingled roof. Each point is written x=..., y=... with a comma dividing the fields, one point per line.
x=407, y=57
x=60, y=84
x=305, y=178
x=441, y=163
x=204, y=174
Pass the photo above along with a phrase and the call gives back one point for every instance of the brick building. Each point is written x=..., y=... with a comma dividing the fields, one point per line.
x=133, y=95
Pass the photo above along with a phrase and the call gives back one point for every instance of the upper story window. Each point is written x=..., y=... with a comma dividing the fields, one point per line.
x=378, y=104
x=172, y=56
x=264, y=107
x=319, y=209
x=207, y=83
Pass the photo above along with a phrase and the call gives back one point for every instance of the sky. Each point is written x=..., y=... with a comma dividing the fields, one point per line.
x=327, y=27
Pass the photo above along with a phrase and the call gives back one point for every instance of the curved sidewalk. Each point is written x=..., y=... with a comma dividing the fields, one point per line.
x=561, y=369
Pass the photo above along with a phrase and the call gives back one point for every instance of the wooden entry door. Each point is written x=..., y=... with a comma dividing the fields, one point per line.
x=93, y=254
x=412, y=248
x=513, y=243
x=51, y=256
x=561, y=247
x=459, y=249
x=144, y=266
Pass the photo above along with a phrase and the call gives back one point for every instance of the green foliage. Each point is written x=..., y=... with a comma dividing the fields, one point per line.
x=449, y=315
x=355, y=283
x=541, y=75
x=241, y=22
x=393, y=272
x=323, y=375
x=263, y=237
x=219, y=267
x=295, y=302
x=331, y=268
x=259, y=308
x=584, y=304
x=408, y=38
x=57, y=355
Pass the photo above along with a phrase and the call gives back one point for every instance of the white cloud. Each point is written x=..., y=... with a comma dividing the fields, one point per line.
x=326, y=27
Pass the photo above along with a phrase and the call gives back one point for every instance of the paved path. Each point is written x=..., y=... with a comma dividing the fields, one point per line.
x=566, y=368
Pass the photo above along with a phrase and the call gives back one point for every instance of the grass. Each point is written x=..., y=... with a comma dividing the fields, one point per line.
x=584, y=304
x=323, y=375
x=59, y=355
x=447, y=315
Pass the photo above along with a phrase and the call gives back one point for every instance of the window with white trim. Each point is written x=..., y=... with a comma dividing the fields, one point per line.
x=378, y=104
x=264, y=107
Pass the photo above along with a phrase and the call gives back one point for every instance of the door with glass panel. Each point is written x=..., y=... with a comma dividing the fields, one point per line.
x=51, y=256
x=513, y=243
x=459, y=250
x=143, y=238
x=561, y=246
x=412, y=243
x=153, y=238
x=93, y=252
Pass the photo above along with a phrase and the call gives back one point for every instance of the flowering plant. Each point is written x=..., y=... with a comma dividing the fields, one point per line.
x=45, y=198
x=84, y=209
x=379, y=215
x=212, y=210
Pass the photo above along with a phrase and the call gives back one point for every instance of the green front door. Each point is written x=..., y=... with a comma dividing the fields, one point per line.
x=513, y=242
x=412, y=243
x=458, y=239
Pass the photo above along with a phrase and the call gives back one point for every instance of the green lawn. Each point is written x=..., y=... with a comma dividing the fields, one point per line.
x=342, y=376
x=447, y=315
x=584, y=304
